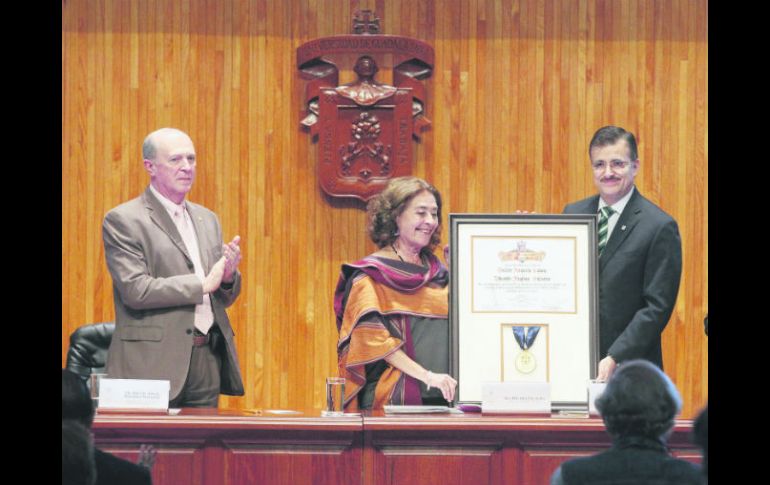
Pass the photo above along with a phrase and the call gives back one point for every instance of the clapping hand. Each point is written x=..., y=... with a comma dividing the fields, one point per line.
x=232, y=255
x=212, y=280
x=146, y=456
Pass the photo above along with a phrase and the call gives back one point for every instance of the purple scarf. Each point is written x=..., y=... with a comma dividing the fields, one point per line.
x=390, y=276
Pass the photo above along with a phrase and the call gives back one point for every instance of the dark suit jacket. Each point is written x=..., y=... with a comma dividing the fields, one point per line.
x=111, y=470
x=639, y=272
x=155, y=291
x=630, y=461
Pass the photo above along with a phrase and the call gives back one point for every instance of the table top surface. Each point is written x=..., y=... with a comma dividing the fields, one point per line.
x=374, y=420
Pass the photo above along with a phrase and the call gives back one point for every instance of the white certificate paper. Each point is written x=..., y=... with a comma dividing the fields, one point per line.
x=524, y=274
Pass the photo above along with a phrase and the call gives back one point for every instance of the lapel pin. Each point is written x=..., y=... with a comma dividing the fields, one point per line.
x=623, y=228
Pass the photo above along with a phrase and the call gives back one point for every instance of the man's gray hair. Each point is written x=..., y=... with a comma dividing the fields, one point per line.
x=149, y=150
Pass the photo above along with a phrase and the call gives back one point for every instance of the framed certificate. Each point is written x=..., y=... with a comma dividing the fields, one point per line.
x=524, y=302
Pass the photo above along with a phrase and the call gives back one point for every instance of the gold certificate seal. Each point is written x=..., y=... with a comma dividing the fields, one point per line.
x=525, y=362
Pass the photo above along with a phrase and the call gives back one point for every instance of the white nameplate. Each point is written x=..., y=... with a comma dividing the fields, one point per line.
x=595, y=389
x=516, y=397
x=134, y=394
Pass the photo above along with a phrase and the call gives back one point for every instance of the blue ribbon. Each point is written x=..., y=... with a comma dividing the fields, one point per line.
x=525, y=336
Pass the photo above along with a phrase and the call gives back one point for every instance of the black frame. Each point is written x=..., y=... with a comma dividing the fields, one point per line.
x=591, y=223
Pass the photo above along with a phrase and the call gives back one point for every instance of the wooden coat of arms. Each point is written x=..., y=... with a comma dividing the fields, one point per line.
x=364, y=128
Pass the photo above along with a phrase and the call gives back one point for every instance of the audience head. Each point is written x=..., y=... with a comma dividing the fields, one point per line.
x=701, y=437
x=639, y=400
x=77, y=454
x=76, y=400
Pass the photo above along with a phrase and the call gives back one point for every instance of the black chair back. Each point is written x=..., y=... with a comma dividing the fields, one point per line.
x=89, y=345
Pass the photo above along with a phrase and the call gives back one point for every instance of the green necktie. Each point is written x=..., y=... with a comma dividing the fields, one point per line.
x=604, y=218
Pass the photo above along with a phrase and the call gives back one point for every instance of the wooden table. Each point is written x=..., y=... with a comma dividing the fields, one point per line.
x=211, y=447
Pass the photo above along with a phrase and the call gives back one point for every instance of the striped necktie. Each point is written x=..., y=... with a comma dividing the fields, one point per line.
x=604, y=218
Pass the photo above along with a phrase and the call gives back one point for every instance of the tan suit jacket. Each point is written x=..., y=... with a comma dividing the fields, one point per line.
x=155, y=290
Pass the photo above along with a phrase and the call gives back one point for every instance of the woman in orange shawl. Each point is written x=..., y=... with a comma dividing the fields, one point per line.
x=392, y=305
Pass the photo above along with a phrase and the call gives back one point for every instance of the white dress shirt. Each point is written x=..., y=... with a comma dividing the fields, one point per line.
x=204, y=314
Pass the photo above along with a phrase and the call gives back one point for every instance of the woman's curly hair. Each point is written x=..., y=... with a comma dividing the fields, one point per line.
x=384, y=208
x=639, y=400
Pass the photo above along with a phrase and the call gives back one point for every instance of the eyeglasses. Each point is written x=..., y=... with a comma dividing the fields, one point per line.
x=615, y=165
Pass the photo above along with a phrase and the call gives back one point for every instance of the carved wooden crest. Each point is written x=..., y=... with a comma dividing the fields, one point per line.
x=364, y=128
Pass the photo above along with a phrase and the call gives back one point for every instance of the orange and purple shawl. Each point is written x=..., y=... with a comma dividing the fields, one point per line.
x=373, y=321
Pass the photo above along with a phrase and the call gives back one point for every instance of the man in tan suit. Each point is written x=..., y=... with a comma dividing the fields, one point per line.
x=172, y=279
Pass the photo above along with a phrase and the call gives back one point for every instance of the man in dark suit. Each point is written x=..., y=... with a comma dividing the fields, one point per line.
x=640, y=255
x=76, y=406
x=77, y=454
x=638, y=407
x=172, y=279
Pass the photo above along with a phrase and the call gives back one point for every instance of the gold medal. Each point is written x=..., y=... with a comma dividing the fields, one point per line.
x=525, y=362
x=525, y=337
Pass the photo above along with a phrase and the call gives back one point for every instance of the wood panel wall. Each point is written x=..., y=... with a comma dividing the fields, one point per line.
x=518, y=89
